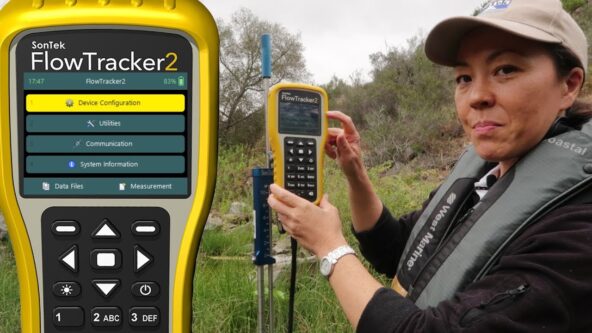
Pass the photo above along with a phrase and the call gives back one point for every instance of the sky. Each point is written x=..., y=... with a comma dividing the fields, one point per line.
x=339, y=35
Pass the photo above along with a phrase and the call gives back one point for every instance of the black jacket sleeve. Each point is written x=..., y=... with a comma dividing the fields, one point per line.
x=542, y=283
x=383, y=245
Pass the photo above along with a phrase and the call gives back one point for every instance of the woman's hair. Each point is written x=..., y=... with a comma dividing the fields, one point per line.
x=580, y=112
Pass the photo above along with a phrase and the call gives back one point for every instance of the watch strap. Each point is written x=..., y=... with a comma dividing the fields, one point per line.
x=339, y=252
x=334, y=256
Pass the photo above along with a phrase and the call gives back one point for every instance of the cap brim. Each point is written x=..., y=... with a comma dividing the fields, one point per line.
x=443, y=41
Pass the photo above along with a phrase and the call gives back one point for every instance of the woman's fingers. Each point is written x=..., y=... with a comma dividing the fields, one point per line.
x=330, y=151
x=285, y=221
x=280, y=207
x=334, y=132
x=324, y=203
x=330, y=145
x=286, y=197
x=346, y=122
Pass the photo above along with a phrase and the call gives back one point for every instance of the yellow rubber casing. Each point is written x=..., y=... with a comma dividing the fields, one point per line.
x=276, y=145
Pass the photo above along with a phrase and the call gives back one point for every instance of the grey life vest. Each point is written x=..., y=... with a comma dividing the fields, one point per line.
x=446, y=251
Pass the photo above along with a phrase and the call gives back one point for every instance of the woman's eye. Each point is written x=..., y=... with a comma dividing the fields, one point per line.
x=463, y=79
x=505, y=70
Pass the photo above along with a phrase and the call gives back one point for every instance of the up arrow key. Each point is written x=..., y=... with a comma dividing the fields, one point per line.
x=105, y=230
x=141, y=258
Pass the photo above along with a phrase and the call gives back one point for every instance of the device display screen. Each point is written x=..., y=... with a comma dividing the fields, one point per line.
x=104, y=113
x=299, y=112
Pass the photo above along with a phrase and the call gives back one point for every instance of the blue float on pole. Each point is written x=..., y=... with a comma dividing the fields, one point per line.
x=262, y=178
x=266, y=56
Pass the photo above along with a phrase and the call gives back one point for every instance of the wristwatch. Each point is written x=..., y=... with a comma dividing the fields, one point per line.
x=329, y=261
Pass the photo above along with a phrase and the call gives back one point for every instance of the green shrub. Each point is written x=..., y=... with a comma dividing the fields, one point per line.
x=233, y=182
x=9, y=291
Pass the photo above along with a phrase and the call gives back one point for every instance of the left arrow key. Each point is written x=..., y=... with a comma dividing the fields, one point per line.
x=70, y=258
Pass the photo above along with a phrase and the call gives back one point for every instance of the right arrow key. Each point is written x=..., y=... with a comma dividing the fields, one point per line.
x=141, y=258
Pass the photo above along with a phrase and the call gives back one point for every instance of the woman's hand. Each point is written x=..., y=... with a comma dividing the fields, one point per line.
x=343, y=145
x=317, y=229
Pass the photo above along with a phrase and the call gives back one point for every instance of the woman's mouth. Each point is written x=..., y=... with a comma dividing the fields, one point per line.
x=483, y=127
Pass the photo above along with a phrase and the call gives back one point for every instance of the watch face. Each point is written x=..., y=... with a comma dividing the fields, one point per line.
x=325, y=267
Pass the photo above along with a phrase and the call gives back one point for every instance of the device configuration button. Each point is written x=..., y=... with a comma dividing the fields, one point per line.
x=145, y=228
x=70, y=258
x=68, y=316
x=145, y=289
x=141, y=258
x=65, y=228
x=66, y=289
x=106, y=287
x=105, y=259
x=105, y=316
x=105, y=230
x=144, y=317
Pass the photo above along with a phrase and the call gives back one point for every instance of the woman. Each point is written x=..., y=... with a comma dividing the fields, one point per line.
x=505, y=243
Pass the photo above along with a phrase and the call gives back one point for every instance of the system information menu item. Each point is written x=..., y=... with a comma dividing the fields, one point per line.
x=104, y=113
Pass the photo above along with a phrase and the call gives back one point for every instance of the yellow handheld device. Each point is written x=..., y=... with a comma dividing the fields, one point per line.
x=297, y=125
x=108, y=125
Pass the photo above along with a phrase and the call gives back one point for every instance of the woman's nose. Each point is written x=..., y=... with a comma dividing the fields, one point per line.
x=482, y=96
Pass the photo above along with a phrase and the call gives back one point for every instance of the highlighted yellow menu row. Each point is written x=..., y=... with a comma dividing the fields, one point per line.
x=106, y=103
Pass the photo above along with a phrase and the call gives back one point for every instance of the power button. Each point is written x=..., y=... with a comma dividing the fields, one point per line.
x=145, y=289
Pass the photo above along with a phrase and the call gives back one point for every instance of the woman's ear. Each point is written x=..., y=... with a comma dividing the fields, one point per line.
x=571, y=87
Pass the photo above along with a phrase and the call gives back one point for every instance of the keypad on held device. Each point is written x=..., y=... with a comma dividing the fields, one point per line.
x=301, y=166
x=96, y=258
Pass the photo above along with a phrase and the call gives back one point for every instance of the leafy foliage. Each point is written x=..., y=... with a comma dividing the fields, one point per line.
x=233, y=181
x=571, y=5
x=405, y=111
x=241, y=85
x=583, y=15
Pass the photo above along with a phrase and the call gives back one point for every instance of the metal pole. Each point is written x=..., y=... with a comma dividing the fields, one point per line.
x=266, y=74
x=270, y=285
x=260, y=298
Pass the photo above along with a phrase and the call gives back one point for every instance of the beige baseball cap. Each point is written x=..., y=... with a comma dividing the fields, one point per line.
x=540, y=20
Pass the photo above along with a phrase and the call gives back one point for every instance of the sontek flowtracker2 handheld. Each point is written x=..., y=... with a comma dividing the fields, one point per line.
x=108, y=125
x=297, y=116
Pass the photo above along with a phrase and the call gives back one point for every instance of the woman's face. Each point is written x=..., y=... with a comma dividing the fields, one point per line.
x=507, y=94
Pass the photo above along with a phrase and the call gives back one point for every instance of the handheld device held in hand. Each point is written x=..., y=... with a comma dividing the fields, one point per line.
x=108, y=125
x=297, y=116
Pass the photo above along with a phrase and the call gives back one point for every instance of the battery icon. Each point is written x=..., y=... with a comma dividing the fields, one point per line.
x=181, y=81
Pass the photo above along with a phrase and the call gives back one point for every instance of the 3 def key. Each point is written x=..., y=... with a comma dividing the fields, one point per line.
x=144, y=317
